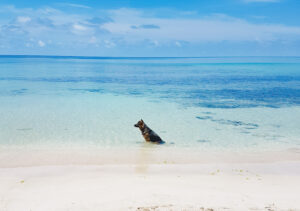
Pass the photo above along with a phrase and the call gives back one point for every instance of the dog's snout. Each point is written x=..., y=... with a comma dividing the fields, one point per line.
x=136, y=125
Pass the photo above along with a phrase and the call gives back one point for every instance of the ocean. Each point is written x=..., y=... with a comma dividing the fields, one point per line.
x=219, y=103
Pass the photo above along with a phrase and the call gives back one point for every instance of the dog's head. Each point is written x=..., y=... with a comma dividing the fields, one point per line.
x=140, y=124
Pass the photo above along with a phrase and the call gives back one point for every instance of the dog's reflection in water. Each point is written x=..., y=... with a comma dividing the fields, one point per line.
x=144, y=157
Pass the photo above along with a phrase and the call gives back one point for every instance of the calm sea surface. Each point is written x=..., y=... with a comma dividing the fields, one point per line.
x=220, y=103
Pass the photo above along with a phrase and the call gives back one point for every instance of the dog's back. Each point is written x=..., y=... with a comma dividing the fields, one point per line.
x=148, y=134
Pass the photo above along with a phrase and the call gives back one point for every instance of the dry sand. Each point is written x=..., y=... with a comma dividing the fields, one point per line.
x=144, y=185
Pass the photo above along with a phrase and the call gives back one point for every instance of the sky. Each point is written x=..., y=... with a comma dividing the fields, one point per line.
x=150, y=27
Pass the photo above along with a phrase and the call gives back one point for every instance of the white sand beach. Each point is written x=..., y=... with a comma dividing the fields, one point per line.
x=145, y=181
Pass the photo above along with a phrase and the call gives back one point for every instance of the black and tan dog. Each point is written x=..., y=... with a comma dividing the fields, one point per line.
x=149, y=135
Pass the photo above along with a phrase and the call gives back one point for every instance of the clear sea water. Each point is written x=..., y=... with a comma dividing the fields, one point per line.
x=207, y=103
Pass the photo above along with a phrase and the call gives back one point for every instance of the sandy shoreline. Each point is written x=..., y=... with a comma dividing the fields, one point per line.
x=144, y=155
x=273, y=186
x=148, y=179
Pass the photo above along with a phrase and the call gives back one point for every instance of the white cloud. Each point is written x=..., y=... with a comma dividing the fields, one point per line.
x=82, y=30
x=178, y=44
x=23, y=19
x=41, y=43
x=93, y=40
x=213, y=28
x=109, y=44
x=114, y=29
x=76, y=5
x=155, y=43
x=79, y=27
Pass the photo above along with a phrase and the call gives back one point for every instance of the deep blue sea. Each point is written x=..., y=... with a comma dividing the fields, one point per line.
x=211, y=102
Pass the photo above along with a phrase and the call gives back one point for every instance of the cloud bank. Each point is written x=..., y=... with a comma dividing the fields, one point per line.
x=32, y=30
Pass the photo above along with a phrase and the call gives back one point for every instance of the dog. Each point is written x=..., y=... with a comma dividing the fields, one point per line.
x=149, y=135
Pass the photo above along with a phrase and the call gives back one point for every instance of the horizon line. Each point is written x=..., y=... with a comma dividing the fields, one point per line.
x=122, y=57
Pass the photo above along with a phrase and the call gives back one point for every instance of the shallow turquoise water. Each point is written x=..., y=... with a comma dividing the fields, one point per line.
x=227, y=103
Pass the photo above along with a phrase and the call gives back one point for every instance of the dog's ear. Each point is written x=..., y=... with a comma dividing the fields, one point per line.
x=143, y=124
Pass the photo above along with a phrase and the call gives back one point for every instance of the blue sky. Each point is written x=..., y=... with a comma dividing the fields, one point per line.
x=150, y=28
